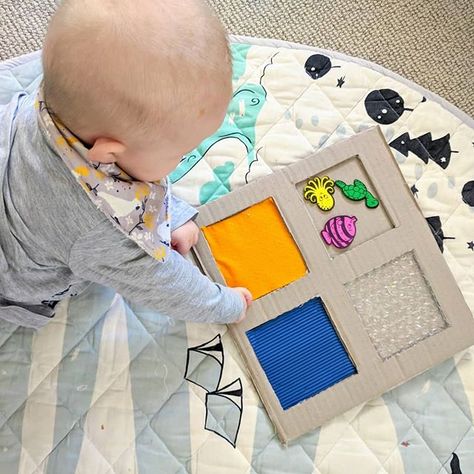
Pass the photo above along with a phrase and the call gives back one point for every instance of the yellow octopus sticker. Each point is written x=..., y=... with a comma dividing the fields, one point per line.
x=319, y=191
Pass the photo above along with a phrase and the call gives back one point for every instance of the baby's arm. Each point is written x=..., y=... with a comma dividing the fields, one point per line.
x=181, y=212
x=174, y=288
x=185, y=237
x=184, y=232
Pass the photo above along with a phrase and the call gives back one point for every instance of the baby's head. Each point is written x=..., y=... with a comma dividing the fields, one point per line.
x=142, y=82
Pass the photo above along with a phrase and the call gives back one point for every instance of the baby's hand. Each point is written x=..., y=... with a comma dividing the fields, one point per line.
x=184, y=237
x=247, y=297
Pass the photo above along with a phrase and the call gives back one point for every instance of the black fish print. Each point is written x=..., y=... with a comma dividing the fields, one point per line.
x=385, y=106
x=455, y=465
x=437, y=231
x=467, y=193
x=318, y=65
x=425, y=148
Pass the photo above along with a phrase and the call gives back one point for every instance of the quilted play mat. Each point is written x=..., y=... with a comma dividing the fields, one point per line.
x=110, y=387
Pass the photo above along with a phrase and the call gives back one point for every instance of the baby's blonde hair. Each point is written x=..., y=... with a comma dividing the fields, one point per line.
x=125, y=68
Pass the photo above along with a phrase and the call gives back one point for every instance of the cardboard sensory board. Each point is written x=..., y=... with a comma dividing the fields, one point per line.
x=342, y=325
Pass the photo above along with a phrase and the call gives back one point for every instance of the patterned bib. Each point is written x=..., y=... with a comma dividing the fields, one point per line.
x=138, y=209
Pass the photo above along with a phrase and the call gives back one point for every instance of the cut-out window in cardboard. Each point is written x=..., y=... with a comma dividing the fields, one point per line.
x=301, y=353
x=255, y=249
x=396, y=305
x=371, y=222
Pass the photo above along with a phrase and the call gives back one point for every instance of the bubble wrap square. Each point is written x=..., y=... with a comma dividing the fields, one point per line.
x=396, y=305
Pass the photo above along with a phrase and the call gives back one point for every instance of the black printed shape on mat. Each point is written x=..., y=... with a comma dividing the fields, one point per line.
x=224, y=406
x=437, y=231
x=205, y=363
x=385, y=106
x=455, y=465
x=425, y=148
x=467, y=193
x=224, y=411
x=318, y=65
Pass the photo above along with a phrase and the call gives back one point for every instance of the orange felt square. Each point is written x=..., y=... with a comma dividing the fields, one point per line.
x=254, y=249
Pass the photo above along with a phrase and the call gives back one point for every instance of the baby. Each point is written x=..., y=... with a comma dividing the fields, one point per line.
x=129, y=87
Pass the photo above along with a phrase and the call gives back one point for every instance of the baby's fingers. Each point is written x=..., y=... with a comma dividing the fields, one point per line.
x=246, y=295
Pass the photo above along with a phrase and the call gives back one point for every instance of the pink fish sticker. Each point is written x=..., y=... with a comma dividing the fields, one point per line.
x=340, y=231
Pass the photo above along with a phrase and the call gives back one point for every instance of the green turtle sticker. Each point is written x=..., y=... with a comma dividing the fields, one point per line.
x=357, y=192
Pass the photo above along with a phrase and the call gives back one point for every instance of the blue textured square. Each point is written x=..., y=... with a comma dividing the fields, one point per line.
x=301, y=353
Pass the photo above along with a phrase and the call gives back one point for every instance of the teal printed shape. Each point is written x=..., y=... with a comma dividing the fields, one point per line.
x=220, y=186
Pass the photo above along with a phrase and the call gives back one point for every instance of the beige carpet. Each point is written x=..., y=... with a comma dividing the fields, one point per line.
x=428, y=41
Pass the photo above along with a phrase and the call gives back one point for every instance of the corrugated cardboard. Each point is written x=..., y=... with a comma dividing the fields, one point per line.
x=397, y=227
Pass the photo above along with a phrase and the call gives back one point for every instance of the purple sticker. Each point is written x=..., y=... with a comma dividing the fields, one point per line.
x=340, y=231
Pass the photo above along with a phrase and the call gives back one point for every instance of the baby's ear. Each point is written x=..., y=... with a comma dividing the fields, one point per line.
x=105, y=150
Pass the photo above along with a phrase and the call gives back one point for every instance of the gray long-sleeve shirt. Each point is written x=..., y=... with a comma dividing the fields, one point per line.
x=54, y=241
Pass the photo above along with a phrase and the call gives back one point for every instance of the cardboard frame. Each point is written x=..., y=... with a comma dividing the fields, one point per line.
x=328, y=272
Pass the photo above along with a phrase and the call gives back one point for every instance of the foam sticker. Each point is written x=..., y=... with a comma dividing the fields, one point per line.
x=255, y=249
x=301, y=353
x=320, y=191
x=357, y=192
x=340, y=231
